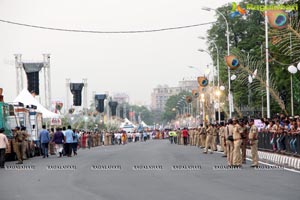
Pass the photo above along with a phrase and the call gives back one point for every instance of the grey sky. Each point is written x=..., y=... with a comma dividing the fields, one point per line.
x=131, y=63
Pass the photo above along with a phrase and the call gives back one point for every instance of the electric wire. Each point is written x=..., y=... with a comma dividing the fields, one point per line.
x=104, y=32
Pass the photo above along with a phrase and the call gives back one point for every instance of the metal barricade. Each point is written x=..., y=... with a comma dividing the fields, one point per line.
x=279, y=142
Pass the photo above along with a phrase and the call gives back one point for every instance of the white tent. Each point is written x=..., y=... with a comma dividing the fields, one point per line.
x=144, y=124
x=127, y=123
x=27, y=99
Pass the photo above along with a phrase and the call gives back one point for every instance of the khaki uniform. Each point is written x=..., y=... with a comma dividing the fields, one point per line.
x=214, y=138
x=237, y=142
x=202, y=137
x=25, y=144
x=191, y=136
x=106, y=139
x=229, y=144
x=178, y=137
x=197, y=137
x=109, y=138
x=181, y=139
x=94, y=139
x=253, y=138
x=18, y=145
x=244, y=143
x=209, y=137
x=222, y=140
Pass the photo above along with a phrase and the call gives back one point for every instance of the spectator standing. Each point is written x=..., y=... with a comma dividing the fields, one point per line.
x=185, y=135
x=89, y=140
x=145, y=136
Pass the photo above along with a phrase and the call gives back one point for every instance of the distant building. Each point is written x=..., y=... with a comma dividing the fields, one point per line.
x=161, y=93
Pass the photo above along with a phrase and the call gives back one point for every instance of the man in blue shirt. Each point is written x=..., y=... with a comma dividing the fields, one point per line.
x=69, y=140
x=44, y=139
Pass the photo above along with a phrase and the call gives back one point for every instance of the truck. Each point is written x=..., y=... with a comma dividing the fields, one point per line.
x=15, y=114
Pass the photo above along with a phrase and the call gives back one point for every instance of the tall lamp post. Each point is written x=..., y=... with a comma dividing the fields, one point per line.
x=214, y=116
x=293, y=70
x=218, y=69
x=203, y=105
x=228, y=53
x=267, y=62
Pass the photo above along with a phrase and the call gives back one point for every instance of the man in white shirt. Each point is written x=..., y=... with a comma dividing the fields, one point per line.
x=3, y=146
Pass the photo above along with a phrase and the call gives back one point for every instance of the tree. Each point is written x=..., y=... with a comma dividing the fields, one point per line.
x=170, y=107
x=247, y=33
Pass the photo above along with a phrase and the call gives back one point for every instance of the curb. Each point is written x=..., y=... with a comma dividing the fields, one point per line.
x=277, y=159
x=283, y=160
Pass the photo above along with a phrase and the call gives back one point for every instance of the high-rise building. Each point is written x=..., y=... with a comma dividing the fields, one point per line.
x=161, y=93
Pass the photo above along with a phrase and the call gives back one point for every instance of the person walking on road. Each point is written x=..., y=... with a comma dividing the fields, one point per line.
x=3, y=145
x=75, y=142
x=58, y=140
x=68, y=141
x=44, y=138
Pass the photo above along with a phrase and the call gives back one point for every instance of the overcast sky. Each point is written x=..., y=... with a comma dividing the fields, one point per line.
x=130, y=63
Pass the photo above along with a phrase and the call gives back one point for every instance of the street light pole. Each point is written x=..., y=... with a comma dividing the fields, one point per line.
x=214, y=109
x=218, y=69
x=203, y=105
x=267, y=62
x=228, y=53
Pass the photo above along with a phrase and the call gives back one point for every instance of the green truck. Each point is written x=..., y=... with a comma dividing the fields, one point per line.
x=6, y=121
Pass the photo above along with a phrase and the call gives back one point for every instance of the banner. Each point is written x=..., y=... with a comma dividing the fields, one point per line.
x=55, y=122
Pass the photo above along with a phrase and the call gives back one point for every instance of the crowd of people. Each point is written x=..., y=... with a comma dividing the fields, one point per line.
x=283, y=133
x=235, y=136
x=65, y=141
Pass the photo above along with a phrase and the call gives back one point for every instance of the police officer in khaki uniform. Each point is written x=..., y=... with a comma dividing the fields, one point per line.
x=191, y=136
x=194, y=137
x=222, y=139
x=214, y=137
x=197, y=137
x=202, y=136
x=24, y=142
x=229, y=142
x=253, y=140
x=18, y=144
x=237, y=142
x=178, y=136
x=244, y=136
x=209, y=137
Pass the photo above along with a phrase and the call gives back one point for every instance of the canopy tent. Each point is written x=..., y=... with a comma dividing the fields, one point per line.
x=27, y=99
x=144, y=124
x=127, y=123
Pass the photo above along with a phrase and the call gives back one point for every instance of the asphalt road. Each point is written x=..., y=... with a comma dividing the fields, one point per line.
x=144, y=170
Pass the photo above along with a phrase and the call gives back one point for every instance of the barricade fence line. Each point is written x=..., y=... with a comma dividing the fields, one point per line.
x=280, y=142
